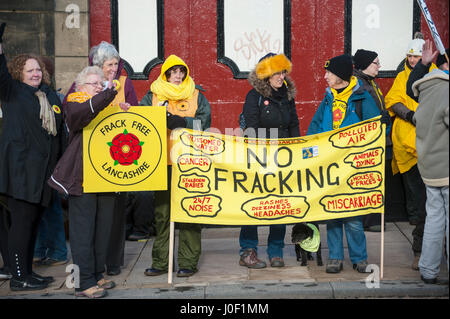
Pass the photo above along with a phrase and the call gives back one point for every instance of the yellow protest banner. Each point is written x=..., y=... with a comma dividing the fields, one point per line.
x=125, y=151
x=232, y=180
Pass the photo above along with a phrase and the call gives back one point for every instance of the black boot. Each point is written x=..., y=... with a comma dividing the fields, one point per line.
x=28, y=284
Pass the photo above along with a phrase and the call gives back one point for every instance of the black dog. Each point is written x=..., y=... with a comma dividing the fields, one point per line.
x=301, y=232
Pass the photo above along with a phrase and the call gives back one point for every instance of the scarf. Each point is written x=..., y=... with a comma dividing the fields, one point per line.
x=46, y=114
x=79, y=97
x=166, y=91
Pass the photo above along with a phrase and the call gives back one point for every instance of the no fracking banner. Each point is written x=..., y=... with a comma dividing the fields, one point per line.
x=231, y=180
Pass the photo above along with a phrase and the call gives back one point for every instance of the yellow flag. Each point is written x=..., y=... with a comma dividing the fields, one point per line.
x=126, y=151
x=230, y=180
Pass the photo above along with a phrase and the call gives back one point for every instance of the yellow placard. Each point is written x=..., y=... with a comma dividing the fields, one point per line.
x=126, y=151
x=231, y=180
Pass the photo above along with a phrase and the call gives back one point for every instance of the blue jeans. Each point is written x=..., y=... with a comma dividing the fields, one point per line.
x=51, y=238
x=275, y=243
x=356, y=239
x=436, y=226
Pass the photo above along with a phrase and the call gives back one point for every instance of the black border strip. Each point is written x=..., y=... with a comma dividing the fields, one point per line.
x=416, y=26
x=221, y=58
x=115, y=40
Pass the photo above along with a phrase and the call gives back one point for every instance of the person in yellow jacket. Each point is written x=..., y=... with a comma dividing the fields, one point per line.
x=404, y=161
x=187, y=107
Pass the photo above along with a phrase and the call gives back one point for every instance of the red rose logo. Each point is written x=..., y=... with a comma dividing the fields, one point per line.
x=125, y=149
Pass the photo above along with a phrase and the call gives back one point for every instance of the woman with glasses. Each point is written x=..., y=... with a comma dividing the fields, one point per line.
x=90, y=214
x=30, y=145
x=105, y=56
x=367, y=65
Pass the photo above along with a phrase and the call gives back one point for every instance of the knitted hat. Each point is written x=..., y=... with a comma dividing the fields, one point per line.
x=272, y=63
x=441, y=58
x=363, y=59
x=341, y=65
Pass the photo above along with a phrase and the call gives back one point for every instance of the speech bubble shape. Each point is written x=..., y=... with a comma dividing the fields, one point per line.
x=365, y=180
x=187, y=162
x=194, y=183
x=206, y=144
x=369, y=158
x=202, y=205
x=272, y=207
x=344, y=203
x=357, y=136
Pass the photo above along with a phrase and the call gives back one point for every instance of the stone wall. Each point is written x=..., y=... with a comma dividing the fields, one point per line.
x=58, y=29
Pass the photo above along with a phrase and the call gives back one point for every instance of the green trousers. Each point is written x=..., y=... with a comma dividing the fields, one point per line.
x=189, y=243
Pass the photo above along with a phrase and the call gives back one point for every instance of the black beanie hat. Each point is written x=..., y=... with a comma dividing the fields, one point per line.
x=441, y=58
x=363, y=58
x=341, y=65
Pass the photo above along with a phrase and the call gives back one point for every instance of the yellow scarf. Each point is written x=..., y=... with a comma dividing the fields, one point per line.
x=168, y=91
x=340, y=102
x=79, y=97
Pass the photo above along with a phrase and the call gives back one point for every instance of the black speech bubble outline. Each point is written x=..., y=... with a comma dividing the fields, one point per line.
x=196, y=191
x=279, y=196
x=365, y=167
x=200, y=150
x=330, y=139
x=195, y=167
x=350, y=211
x=378, y=185
x=210, y=216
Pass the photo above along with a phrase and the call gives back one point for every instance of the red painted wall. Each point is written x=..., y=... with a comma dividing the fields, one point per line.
x=190, y=31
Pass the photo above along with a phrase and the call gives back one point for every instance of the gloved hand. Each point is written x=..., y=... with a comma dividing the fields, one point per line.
x=409, y=117
x=175, y=121
x=2, y=29
x=385, y=117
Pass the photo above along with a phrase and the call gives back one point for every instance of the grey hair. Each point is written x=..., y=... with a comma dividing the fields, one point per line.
x=103, y=52
x=81, y=77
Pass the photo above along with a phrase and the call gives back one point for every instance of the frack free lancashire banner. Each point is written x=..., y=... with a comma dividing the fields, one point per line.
x=126, y=151
x=230, y=180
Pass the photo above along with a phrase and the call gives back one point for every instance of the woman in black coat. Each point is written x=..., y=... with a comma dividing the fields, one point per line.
x=269, y=112
x=30, y=145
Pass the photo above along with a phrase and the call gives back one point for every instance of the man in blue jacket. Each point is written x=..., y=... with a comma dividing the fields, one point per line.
x=346, y=102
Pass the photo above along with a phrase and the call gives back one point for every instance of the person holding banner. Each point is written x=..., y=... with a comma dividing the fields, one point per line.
x=404, y=161
x=268, y=105
x=30, y=145
x=367, y=64
x=187, y=107
x=346, y=102
x=90, y=214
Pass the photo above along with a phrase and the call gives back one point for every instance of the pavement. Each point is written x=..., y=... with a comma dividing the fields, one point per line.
x=221, y=277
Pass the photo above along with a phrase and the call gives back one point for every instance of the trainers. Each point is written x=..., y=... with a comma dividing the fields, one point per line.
x=334, y=266
x=276, y=262
x=186, y=272
x=361, y=266
x=249, y=259
x=51, y=262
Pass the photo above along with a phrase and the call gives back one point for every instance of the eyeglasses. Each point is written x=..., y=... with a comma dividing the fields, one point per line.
x=95, y=84
x=377, y=63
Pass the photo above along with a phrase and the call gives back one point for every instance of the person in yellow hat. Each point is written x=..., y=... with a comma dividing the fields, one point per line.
x=187, y=107
x=404, y=161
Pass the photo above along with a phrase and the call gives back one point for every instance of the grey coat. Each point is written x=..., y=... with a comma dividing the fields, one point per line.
x=432, y=127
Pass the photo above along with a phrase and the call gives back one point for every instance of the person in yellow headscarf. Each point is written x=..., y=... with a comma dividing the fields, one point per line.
x=187, y=107
x=404, y=161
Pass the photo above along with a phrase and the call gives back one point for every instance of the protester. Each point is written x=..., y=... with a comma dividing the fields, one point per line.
x=269, y=105
x=176, y=90
x=404, y=160
x=367, y=65
x=90, y=214
x=346, y=102
x=51, y=248
x=432, y=91
x=30, y=145
x=106, y=57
